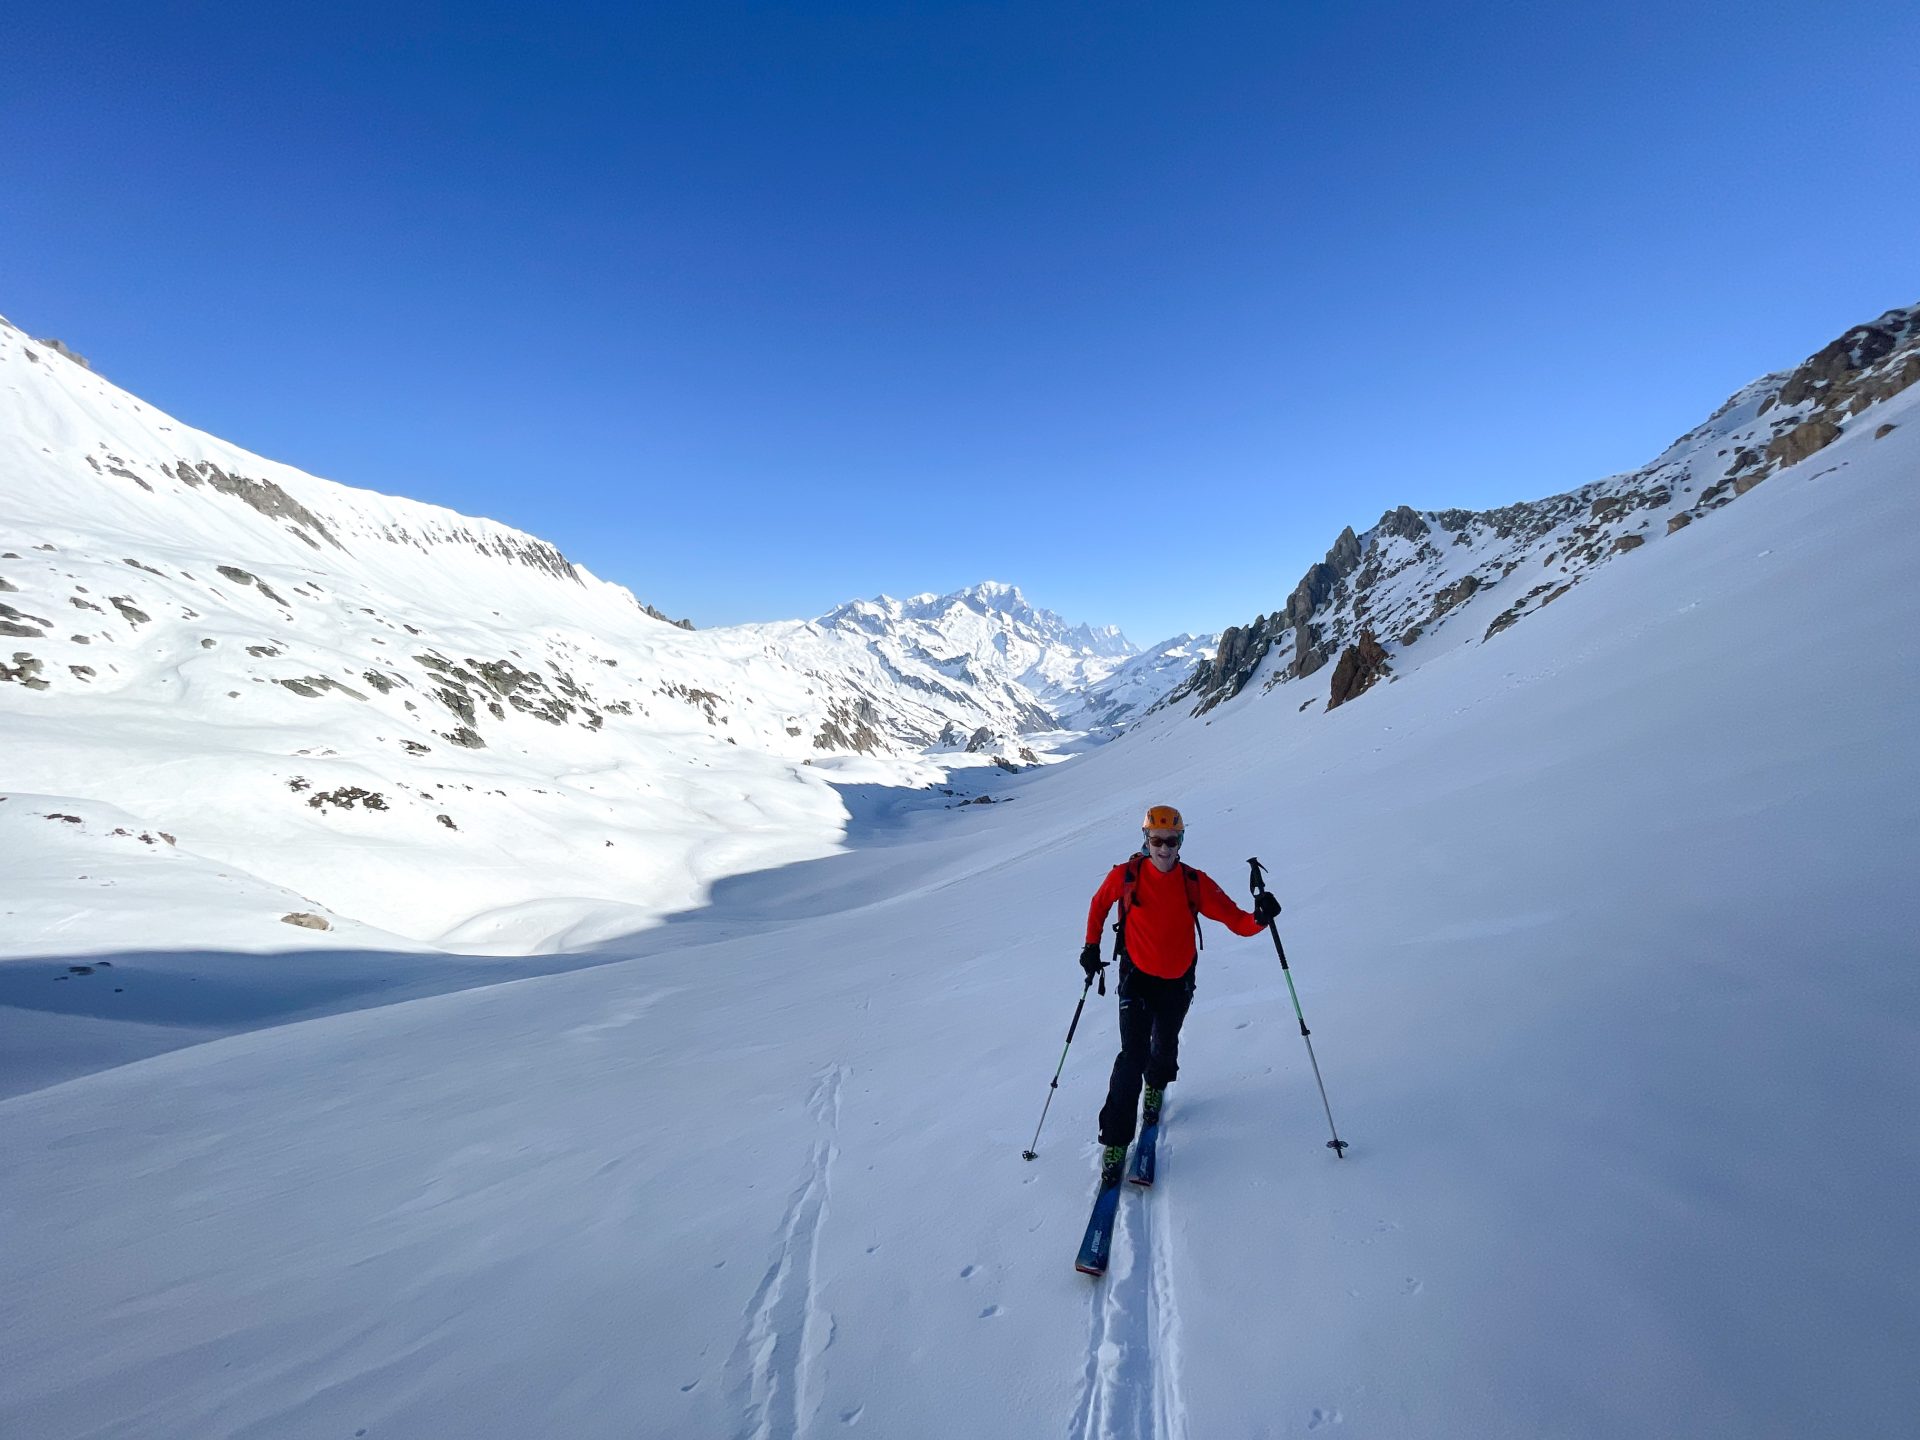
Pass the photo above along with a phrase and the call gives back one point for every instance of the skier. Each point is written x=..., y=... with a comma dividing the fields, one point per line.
x=1160, y=902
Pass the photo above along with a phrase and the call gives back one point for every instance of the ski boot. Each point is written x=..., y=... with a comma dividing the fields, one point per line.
x=1113, y=1160
x=1150, y=1112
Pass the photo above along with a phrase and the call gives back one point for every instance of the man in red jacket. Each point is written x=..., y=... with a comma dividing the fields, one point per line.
x=1161, y=902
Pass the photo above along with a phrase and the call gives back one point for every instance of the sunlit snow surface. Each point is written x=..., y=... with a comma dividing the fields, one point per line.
x=1604, y=929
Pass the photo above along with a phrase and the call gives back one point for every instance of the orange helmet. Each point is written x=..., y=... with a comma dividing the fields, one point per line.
x=1163, y=817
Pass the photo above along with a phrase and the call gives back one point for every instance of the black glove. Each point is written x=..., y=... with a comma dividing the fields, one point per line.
x=1265, y=907
x=1090, y=959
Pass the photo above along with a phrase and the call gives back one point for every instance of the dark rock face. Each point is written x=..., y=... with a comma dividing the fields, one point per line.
x=1404, y=522
x=1360, y=665
x=1803, y=440
x=682, y=624
x=851, y=727
x=1240, y=654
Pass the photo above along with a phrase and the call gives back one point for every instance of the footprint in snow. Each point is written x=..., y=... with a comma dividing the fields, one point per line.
x=852, y=1417
x=1323, y=1417
x=989, y=1312
x=964, y=1274
x=1412, y=1286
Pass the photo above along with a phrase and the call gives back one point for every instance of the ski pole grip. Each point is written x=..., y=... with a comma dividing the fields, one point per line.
x=1256, y=881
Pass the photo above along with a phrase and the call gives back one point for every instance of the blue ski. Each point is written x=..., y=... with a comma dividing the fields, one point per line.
x=1092, y=1259
x=1141, y=1171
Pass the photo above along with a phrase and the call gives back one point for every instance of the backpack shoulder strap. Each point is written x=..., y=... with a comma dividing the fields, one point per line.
x=1129, y=888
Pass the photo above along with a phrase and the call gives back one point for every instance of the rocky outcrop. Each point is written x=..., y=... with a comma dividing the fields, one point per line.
x=19, y=623
x=682, y=624
x=60, y=347
x=25, y=670
x=1795, y=445
x=1360, y=665
x=1404, y=522
x=850, y=727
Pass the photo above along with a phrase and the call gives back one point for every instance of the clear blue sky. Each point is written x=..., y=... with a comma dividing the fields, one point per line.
x=759, y=307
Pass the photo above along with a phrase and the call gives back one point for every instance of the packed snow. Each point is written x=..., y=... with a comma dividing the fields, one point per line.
x=1603, y=927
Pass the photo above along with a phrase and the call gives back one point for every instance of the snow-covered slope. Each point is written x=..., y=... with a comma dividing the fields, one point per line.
x=1604, y=930
x=431, y=724
x=1419, y=581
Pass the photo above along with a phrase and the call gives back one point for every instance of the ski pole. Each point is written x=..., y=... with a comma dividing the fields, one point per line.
x=1258, y=883
x=1030, y=1153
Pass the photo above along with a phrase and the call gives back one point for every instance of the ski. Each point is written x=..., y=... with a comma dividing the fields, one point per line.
x=1094, y=1249
x=1140, y=1172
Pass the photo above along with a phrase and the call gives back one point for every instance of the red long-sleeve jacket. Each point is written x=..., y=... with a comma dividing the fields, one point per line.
x=1160, y=929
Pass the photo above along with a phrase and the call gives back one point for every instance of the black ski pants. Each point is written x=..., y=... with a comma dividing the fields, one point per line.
x=1151, y=1013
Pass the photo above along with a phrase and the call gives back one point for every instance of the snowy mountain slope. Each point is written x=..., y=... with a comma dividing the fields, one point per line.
x=432, y=724
x=1425, y=579
x=1140, y=682
x=1604, y=933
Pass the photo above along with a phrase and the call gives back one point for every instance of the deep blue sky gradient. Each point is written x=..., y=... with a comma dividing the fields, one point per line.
x=759, y=307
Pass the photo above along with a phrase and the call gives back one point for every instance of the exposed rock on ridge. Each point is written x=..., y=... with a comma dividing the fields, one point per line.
x=1413, y=571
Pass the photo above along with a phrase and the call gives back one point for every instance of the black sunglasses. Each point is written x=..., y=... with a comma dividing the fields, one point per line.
x=1170, y=842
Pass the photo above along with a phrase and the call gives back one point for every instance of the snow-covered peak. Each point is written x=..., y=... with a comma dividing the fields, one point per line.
x=991, y=634
x=995, y=601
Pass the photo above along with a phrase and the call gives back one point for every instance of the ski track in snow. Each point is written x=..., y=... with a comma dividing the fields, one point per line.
x=1132, y=1388
x=771, y=1378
